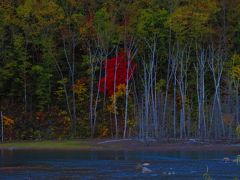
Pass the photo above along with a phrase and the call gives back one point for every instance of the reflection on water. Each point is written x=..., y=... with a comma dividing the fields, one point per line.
x=23, y=164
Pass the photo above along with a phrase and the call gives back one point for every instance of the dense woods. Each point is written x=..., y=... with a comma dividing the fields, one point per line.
x=120, y=68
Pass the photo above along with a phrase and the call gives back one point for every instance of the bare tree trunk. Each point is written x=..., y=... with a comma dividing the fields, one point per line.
x=171, y=65
x=126, y=96
x=174, y=105
x=216, y=66
x=91, y=93
x=71, y=67
x=100, y=61
x=182, y=82
x=73, y=92
x=237, y=105
x=188, y=120
x=2, y=133
x=155, y=105
x=169, y=77
x=146, y=102
x=114, y=89
x=65, y=90
x=200, y=70
x=237, y=101
x=129, y=58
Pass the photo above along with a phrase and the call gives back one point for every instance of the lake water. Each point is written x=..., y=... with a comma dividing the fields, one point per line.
x=22, y=164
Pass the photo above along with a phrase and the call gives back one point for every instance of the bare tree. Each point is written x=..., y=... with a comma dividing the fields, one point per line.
x=69, y=53
x=150, y=102
x=237, y=105
x=200, y=70
x=96, y=59
x=215, y=63
x=174, y=66
x=183, y=56
x=131, y=51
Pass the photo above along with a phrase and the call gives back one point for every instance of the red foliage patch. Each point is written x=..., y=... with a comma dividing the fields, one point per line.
x=118, y=65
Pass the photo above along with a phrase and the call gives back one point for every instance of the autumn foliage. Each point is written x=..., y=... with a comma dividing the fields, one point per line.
x=8, y=123
x=118, y=71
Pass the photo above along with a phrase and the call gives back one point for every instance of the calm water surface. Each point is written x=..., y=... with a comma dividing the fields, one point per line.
x=20, y=164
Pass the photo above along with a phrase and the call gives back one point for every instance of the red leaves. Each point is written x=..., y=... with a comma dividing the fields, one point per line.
x=116, y=71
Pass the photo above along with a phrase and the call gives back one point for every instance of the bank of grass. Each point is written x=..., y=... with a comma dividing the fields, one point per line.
x=112, y=145
x=64, y=144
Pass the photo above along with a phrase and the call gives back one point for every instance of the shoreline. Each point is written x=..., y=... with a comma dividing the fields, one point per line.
x=118, y=145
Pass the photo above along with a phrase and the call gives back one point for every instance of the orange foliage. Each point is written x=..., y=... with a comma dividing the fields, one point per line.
x=104, y=132
x=40, y=116
x=228, y=119
x=8, y=121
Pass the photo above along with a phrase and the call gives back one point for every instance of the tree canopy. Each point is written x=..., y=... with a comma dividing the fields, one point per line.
x=146, y=68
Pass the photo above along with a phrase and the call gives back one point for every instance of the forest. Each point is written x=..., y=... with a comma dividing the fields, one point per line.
x=147, y=69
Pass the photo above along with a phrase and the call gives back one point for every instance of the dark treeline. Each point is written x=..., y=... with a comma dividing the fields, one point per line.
x=185, y=83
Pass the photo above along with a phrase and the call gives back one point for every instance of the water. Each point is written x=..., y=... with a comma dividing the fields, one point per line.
x=34, y=164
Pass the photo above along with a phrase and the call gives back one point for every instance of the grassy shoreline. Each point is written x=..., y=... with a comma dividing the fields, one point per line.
x=130, y=145
x=47, y=144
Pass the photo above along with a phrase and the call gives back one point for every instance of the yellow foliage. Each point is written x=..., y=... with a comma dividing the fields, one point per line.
x=120, y=92
x=63, y=123
x=80, y=89
x=110, y=107
x=132, y=123
x=192, y=20
x=60, y=92
x=104, y=132
x=236, y=72
x=234, y=66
